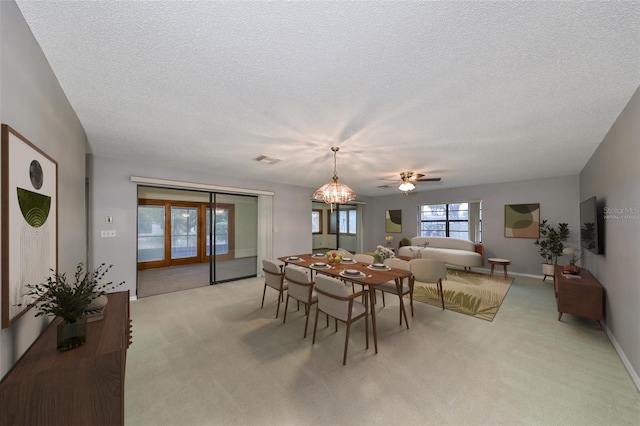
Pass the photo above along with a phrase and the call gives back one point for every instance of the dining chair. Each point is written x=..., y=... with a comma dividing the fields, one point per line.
x=274, y=278
x=300, y=287
x=335, y=301
x=363, y=258
x=344, y=252
x=429, y=271
x=392, y=287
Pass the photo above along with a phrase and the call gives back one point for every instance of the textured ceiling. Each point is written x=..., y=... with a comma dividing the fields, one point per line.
x=473, y=92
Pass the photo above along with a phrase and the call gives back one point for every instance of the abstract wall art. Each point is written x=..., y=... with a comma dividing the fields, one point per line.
x=393, y=221
x=30, y=221
x=522, y=220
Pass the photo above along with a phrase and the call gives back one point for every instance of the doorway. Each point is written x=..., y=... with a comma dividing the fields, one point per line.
x=175, y=235
x=337, y=228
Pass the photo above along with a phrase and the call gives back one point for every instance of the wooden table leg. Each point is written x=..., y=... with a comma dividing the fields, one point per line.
x=491, y=274
x=505, y=271
x=373, y=317
x=403, y=312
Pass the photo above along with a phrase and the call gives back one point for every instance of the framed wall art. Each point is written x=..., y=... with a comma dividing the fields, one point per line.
x=522, y=220
x=393, y=221
x=29, y=221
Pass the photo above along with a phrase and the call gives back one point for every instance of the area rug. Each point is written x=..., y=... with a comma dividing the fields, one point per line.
x=466, y=292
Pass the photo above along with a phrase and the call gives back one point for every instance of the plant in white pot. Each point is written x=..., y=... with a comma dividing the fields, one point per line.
x=57, y=296
x=551, y=244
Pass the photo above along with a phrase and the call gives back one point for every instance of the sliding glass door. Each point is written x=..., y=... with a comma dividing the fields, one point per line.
x=235, y=235
x=212, y=237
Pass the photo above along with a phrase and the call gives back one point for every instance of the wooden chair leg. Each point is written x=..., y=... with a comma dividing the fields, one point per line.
x=263, y=293
x=278, y=308
x=346, y=343
x=306, y=321
x=441, y=293
x=286, y=305
x=315, y=327
x=403, y=311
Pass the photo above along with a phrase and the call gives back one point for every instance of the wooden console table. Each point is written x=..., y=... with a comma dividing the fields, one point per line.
x=82, y=386
x=580, y=295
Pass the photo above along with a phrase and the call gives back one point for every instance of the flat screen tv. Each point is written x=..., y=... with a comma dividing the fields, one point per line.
x=591, y=226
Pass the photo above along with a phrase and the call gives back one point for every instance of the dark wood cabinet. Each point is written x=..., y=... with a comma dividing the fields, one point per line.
x=580, y=295
x=82, y=386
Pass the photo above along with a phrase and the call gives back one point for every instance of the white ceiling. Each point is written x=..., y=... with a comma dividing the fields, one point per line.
x=473, y=92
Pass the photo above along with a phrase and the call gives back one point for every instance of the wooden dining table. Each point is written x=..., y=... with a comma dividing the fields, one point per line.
x=371, y=277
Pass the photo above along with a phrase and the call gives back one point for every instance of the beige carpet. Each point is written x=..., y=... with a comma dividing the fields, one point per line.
x=469, y=293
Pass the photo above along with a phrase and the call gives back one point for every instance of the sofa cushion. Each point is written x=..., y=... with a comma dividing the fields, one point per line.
x=444, y=242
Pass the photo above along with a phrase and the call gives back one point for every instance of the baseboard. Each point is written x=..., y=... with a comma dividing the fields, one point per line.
x=634, y=375
x=133, y=298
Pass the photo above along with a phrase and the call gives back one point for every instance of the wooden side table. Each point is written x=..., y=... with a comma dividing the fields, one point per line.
x=493, y=261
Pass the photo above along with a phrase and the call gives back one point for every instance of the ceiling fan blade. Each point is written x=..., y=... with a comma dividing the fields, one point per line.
x=429, y=179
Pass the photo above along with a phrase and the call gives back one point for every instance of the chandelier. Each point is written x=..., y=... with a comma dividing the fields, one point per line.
x=406, y=184
x=334, y=192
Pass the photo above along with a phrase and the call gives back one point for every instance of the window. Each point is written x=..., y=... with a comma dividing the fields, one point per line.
x=344, y=220
x=316, y=221
x=178, y=232
x=457, y=220
x=150, y=233
x=184, y=232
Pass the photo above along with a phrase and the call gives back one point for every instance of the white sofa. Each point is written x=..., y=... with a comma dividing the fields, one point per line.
x=453, y=251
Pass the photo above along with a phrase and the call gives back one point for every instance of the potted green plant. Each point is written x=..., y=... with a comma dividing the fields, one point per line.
x=405, y=241
x=551, y=244
x=58, y=296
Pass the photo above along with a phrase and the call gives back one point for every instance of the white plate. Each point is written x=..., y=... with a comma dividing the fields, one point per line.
x=353, y=272
x=379, y=266
x=320, y=265
x=347, y=259
x=293, y=258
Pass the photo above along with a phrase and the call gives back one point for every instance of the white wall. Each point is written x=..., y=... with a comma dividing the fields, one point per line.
x=613, y=176
x=32, y=103
x=558, y=199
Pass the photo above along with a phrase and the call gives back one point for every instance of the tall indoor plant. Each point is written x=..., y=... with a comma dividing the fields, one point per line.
x=551, y=244
x=62, y=297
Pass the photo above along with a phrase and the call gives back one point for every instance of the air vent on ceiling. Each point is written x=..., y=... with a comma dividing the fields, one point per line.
x=267, y=160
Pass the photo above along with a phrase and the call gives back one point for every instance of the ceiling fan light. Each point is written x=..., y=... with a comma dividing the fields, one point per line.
x=407, y=186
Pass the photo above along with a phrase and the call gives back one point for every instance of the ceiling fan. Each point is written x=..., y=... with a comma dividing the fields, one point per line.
x=408, y=180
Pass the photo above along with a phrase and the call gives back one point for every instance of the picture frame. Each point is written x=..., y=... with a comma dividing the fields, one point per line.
x=522, y=220
x=393, y=221
x=29, y=197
